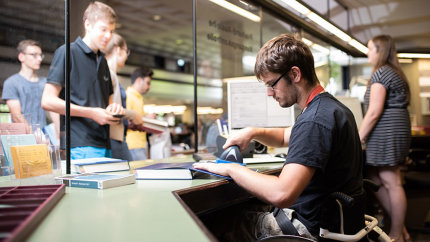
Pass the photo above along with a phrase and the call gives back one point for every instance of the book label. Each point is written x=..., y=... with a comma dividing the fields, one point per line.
x=85, y=184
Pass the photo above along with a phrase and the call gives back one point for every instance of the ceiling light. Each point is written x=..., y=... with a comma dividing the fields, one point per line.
x=324, y=24
x=413, y=55
x=156, y=17
x=242, y=12
x=405, y=61
x=316, y=46
x=180, y=62
x=359, y=46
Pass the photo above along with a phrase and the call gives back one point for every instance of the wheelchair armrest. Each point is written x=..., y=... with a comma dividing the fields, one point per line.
x=343, y=198
x=371, y=185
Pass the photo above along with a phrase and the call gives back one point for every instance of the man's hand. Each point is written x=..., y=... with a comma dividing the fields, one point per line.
x=102, y=116
x=115, y=108
x=241, y=138
x=137, y=119
x=221, y=169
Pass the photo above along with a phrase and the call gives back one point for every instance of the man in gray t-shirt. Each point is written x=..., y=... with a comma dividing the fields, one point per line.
x=23, y=90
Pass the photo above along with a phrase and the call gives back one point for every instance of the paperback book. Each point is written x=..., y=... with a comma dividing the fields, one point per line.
x=97, y=181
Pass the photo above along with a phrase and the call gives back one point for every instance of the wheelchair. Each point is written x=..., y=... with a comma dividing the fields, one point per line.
x=335, y=208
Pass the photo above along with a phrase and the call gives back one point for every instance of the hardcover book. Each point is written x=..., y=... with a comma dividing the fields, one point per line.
x=97, y=181
x=165, y=171
x=103, y=164
x=150, y=125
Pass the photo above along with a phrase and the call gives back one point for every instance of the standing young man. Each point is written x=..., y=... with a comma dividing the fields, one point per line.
x=140, y=84
x=91, y=106
x=324, y=154
x=23, y=90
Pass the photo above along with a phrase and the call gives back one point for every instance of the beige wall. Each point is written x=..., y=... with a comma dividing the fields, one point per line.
x=413, y=71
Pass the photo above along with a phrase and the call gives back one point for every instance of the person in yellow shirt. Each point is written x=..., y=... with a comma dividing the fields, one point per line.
x=140, y=84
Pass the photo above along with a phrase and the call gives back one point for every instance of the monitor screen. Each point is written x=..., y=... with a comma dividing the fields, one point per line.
x=249, y=105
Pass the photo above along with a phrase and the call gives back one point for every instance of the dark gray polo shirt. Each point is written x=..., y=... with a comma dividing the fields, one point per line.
x=90, y=86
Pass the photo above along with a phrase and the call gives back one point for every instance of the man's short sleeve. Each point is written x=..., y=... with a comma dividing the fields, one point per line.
x=9, y=89
x=310, y=145
x=56, y=70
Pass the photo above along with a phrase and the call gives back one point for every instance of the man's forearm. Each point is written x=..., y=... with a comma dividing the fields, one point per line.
x=58, y=105
x=275, y=137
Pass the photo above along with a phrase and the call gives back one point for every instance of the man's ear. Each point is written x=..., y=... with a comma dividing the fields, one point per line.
x=21, y=57
x=296, y=74
x=87, y=25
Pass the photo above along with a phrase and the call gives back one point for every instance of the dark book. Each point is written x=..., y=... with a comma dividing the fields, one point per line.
x=166, y=171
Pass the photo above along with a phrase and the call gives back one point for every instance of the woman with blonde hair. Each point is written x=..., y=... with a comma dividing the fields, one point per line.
x=116, y=54
x=386, y=129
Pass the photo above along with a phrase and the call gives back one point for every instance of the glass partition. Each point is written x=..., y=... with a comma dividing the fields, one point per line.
x=159, y=35
x=228, y=39
x=42, y=21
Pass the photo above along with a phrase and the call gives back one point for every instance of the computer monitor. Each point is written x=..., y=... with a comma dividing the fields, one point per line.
x=249, y=106
x=353, y=103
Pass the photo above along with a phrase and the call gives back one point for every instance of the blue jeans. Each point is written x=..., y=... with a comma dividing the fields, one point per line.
x=138, y=154
x=84, y=152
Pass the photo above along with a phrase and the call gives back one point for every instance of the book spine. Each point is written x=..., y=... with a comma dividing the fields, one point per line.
x=84, y=184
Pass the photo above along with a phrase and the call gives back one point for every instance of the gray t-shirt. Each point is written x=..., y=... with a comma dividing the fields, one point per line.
x=29, y=95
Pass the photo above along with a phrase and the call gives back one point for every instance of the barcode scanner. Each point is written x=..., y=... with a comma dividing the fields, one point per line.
x=231, y=154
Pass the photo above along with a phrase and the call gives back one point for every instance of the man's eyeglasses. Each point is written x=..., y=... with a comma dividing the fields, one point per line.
x=35, y=55
x=272, y=86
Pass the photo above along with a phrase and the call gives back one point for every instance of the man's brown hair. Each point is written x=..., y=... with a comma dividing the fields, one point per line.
x=99, y=11
x=23, y=44
x=281, y=53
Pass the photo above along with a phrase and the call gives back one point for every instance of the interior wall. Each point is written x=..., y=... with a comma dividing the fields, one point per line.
x=424, y=72
x=413, y=71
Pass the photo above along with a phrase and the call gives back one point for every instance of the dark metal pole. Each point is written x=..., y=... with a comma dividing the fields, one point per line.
x=196, y=144
x=67, y=82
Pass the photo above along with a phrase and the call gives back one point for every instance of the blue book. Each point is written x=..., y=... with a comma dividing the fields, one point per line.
x=97, y=181
x=210, y=173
